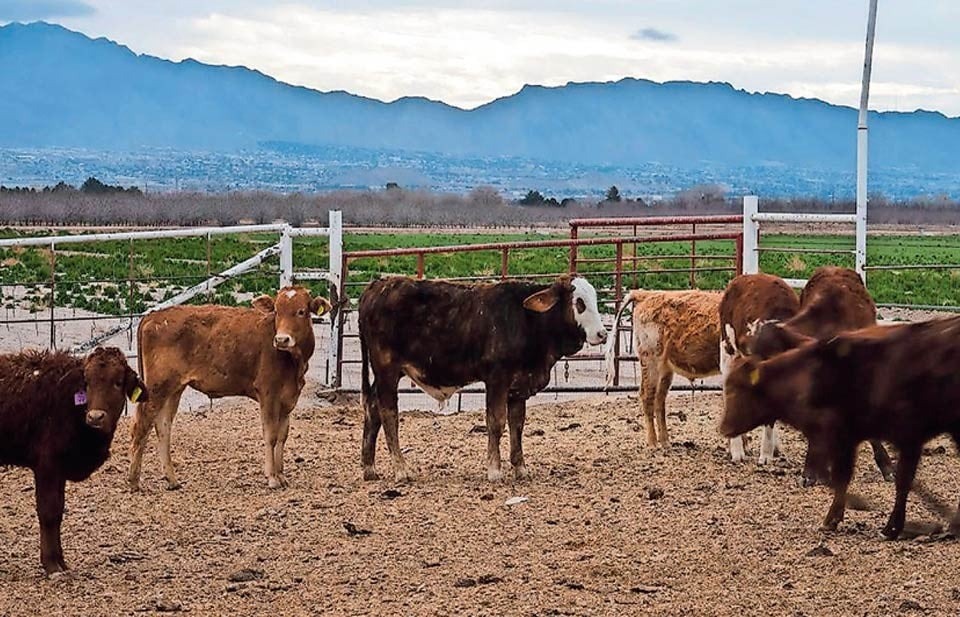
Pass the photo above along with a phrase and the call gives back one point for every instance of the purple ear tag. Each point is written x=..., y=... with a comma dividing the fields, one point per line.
x=80, y=398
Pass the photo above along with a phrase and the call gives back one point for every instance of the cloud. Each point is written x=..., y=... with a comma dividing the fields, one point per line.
x=652, y=34
x=31, y=10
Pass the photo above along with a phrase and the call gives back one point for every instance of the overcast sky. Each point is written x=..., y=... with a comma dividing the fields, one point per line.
x=468, y=53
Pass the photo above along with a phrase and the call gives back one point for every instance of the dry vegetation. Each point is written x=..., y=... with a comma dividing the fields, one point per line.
x=483, y=206
x=610, y=527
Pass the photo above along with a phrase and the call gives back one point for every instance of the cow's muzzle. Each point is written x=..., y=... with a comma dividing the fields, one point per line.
x=283, y=341
x=597, y=338
x=98, y=419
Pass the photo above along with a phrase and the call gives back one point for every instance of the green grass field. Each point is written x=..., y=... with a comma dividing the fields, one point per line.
x=94, y=276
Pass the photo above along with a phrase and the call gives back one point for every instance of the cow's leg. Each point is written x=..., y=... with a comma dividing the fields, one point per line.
x=906, y=470
x=496, y=419
x=844, y=458
x=768, y=444
x=663, y=388
x=815, y=467
x=371, y=428
x=139, y=432
x=387, y=404
x=270, y=421
x=164, y=426
x=282, y=432
x=648, y=396
x=737, y=453
x=50, y=491
x=882, y=459
x=516, y=416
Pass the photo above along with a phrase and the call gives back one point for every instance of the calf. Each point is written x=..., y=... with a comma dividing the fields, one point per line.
x=834, y=300
x=260, y=353
x=444, y=336
x=58, y=414
x=673, y=332
x=894, y=384
x=748, y=299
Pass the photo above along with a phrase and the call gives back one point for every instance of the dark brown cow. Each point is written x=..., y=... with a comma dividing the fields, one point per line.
x=260, y=353
x=895, y=384
x=58, y=414
x=748, y=299
x=445, y=336
x=834, y=300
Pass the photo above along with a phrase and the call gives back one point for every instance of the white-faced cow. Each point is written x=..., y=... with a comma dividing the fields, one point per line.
x=444, y=336
x=260, y=353
x=58, y=414
x=674, y=332
x=750, y=298
x=897, y=384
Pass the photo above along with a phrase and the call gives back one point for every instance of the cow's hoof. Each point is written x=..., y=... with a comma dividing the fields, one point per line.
x=275, y=483
x=764, y=460
x=134, y=486
x=738, y=457
x=403, y=476
x=55, y=567
x=888, y=475
x=494, y=475
x=520, y=472
x=890, y=532
x=174, y=485
x=370, y=473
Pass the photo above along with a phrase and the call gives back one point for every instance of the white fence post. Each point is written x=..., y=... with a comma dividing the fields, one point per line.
x=286, y=257
x=751, y=257
x=336, y=286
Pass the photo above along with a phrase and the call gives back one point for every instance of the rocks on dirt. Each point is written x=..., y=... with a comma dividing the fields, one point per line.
x=125, y=557
x=485, y=579
x=353, y=530
x=646, y=589
x=390, y=493
x=910, y=605
x=245, y=575
x=537, y=432
x=513, y=501
x=570, y=427
x=478, y=429
x=486, y=497
x=821, y=550
x=654, y=492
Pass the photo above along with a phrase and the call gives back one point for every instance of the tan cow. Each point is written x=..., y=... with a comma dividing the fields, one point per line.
x=674, y=332
x=260, y=353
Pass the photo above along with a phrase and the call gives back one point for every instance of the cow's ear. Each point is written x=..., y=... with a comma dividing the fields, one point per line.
x=542, y=301
x=320, y=305
x=136, y=389
x=264, y=303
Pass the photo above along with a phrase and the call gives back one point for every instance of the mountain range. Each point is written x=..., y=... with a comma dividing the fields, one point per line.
x=60, y=88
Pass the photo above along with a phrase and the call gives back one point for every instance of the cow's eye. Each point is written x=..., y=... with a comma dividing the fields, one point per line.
x=581, y=305
x=301, y=312
x=118, y=385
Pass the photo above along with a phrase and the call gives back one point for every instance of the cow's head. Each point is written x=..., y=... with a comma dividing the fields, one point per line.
x=745, y=397
x=291, y=310
x=766, y=339
x=108, y=380
x=577, y=300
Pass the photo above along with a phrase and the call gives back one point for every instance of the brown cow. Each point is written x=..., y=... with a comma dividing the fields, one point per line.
x=444, y=336
x=750, y=298
x=834, y=300
x=674, y=332
x=260, y=353
x=893, y=384
x=58, y=414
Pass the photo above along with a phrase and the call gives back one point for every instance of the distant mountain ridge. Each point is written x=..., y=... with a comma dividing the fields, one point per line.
x=61, y=88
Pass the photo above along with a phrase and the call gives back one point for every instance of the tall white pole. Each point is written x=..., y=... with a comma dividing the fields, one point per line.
x=861, y=252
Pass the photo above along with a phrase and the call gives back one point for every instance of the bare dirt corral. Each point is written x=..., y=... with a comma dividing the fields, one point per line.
x=611, y=527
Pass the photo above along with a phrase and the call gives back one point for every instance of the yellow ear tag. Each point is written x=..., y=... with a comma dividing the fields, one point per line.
x=135, y=395
x=754, y=376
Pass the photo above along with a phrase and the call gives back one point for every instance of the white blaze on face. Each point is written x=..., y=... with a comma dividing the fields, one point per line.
x=291, y=293
x=585, y=311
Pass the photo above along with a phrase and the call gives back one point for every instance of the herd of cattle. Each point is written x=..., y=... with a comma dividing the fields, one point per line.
x=819, y=363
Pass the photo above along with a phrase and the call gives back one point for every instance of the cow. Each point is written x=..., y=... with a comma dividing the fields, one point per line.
x=748, y=299
x=260, y=353
x=444, y=336
x=58, y=414
x=673, y=332
x=834, y=300
x=893, y=384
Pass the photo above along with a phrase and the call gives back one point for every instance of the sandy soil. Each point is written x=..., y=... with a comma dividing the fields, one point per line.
x=610, y=527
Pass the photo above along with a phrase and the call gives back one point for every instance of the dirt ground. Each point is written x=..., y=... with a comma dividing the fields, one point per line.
x=610, y=527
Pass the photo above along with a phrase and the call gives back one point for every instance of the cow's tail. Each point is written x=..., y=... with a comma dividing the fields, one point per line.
x=140, y=373
x=610, y=360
